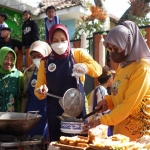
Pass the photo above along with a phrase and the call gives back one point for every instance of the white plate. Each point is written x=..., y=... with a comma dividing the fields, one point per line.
x=71, y=131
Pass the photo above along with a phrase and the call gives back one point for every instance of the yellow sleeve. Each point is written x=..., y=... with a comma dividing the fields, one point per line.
x=109, y=101
x=138, y=86
x=41, y=79
x=82, y=56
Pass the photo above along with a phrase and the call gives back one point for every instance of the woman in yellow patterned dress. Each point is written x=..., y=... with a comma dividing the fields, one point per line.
x=129, y=101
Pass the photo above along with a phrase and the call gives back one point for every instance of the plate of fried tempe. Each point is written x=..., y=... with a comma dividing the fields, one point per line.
x=98, y=140
x=72, y=143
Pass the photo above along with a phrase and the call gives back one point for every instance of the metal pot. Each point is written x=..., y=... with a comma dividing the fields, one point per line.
x=13, y=123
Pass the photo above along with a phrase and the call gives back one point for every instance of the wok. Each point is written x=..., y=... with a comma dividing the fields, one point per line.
x=13, y=123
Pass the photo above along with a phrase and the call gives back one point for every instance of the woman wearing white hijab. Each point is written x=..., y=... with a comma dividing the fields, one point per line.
x=30, y=102
x=130, y=94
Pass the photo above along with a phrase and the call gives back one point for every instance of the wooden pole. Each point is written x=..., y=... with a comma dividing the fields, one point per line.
x=76, y=44
x=28, y=58
x=19, y=63
x=96, y=41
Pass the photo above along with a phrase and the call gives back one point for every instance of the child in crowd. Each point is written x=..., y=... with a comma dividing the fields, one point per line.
x=16, y=45
x=50, y=20
x=105, y=80
x=6, y=40
x=29, y=34
x=3, y=18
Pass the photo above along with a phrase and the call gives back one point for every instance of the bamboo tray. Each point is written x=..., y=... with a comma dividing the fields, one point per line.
x=68, y=147
x=93, y=147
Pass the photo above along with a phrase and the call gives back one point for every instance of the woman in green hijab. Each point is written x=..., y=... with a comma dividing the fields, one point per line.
x=11, y=81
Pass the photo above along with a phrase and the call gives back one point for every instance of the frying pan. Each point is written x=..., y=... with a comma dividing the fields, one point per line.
x=13, y=123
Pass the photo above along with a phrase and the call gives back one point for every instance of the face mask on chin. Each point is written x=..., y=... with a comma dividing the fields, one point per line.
x=50, y=18
x=60, y=48
x=37, y=62
x=118, y=57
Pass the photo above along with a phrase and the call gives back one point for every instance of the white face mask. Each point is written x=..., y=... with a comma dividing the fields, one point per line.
x=60, y=48
x=37, y=62
x=50, y=18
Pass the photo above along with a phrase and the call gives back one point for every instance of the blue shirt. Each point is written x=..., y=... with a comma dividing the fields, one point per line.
x=49, y=24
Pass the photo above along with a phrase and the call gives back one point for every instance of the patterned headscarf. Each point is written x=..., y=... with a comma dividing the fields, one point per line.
x=51, y=32
x=41, y=47
x=3, y=52
x=127, y=36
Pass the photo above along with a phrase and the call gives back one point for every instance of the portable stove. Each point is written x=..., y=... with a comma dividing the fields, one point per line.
x=9, y=142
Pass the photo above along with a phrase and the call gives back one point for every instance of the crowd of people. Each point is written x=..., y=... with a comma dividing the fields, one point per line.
x=52, y=66
x=54, y=69
x=17, y=88
x=30, y=32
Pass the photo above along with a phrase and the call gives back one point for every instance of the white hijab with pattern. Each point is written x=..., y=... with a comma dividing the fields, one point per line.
x=41, y=47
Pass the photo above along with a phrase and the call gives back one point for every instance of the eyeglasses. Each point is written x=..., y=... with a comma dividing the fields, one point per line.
x=112, y=49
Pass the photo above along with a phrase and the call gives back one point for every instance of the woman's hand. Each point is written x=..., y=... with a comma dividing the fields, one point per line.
x=79, y=69
x=90, y=125
x=42, y=89
x=103, y=104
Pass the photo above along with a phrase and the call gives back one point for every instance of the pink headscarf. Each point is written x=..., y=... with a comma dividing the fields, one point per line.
x=128, y=37
x=51, y=32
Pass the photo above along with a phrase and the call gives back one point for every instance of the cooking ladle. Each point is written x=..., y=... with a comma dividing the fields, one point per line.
x=55, y=96
x=67, y=119
x=72, y=102
x=48, y=94
x=52, y=95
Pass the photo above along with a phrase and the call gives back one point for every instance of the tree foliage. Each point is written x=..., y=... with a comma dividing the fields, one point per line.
x=91, y=23
x=41, y=29
x=17, y=30
x=138, y=8
x=89, y=27
x=140, y=21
